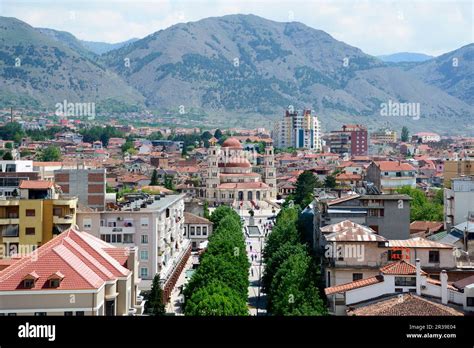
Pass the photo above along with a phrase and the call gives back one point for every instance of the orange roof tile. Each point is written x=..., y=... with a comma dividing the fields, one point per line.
x=353, y=285
x=36, y=184
x=400, y=268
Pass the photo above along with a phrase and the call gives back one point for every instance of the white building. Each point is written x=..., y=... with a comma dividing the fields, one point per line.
x=427, y=137
x=154, y=224
x=458, y=201
x=299, y=130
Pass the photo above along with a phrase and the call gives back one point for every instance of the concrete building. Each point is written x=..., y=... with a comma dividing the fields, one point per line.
x=456, y=169
x=298, y=129
x=197, y=229
x=154, y=224
x=402, y=280
x=33, y=218
x=458, y=201
x=384, y=136
x=426, y=137
x=73, y=274
x=351, y=140
x=89, y=185
x=388, y=176
x=387, y=215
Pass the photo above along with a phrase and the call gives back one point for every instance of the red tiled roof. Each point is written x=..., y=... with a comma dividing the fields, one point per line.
x=232, y=142
x=393, y=166
x=353, y=285
x=83, y=260
x=36, y=184
x=195, y=219
x=400, y=268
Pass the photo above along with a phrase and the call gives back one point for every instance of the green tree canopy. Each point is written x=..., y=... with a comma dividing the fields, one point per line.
x=50, y=154
x=154, y=305
x=405, y=134
x=305, y=186
x=154, y=178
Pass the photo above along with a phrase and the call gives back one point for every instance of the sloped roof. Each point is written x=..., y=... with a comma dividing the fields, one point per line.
x=348, y=231
x=195, y=219
x=353, y=285
x=84, y=261
x=400, y=268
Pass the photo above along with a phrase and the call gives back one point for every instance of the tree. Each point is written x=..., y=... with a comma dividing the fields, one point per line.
x=405, y=134
x=9, y=146
x=12, y=131
x=216, y=299
x=330, y=181
x=218, y=134
x=155, y=136
x=206, y=210
x=169, y=184
x=154, y=305
x=154, y=178
x=50, y=154
x=7, y=156
x=220, y=212
x=421, y=208
x=305, y=186
x=127, y=146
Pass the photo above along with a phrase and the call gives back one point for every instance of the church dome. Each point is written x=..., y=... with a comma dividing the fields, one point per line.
x=232, y=142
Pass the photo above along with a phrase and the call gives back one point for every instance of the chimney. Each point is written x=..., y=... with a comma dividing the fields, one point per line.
x=418, y=277
x=444, y=286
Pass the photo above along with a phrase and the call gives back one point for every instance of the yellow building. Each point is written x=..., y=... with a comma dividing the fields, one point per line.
x=33, y=217
x=455, y=169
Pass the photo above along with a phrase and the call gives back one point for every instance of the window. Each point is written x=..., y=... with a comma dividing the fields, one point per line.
x=193, y=230
x=434, y=256
x=68, y=314
x=119, y=238
x=28, y=283
x=356, y=276
x=12, y=314
x=40, y=314
x=30, y=212
x=144, y=255
x=143, y=272
x=57, y=211
x=30, y=231
x=405, y=281
x=128, y=238
x=54, y=283
x=87, y=224
x=470, y=301
x=204, y=230
x=144, y=239
x=198, y=230
x=144, y=222
x=80, y=313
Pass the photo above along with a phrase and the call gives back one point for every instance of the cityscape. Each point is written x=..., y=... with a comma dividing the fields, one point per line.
x=211, y=163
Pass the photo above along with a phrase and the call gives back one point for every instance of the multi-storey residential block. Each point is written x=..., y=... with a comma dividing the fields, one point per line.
x=384, y=136
x=456, y=169
x=34, y=217
x=458, y=201
x=388, y=176
x=197, y=229
x=154, y=224
x=387, y=215
x=298, y=129
x=351, y=140
x=12, y=173
x=72, y=274
x=89, y=185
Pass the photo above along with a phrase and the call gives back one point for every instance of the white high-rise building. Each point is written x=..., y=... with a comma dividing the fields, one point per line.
x=298, y=129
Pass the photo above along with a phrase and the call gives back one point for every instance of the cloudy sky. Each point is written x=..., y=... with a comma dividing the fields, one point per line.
x=376, y=26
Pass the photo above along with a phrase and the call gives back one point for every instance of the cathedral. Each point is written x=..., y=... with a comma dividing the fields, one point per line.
x=232, y=180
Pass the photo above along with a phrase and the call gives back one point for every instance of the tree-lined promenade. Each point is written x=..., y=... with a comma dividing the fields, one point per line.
x=220, y=284
x=291, y=274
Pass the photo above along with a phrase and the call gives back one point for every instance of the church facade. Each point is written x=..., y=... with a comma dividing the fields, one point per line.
x=231, y=179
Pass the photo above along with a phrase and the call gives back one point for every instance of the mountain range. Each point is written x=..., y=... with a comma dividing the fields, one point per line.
x=236, y=70
x=405, y=57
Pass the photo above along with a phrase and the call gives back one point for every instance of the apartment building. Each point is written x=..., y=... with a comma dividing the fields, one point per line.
x=39, y=213
x=197, y=229
x=458, y=201
x=353, y=252
x=401, y=284
x=152, y=223
x=72, y=274
x=298, y=129
x=457, y=168
x=387, y=215
x=388, y=176
x=384, y=136
x=12, y=173
x=88, y=185
x=351, y=140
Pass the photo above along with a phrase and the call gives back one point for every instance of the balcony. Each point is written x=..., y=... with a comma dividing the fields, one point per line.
x=9, y=221
x=66, y=219
x=110, y=230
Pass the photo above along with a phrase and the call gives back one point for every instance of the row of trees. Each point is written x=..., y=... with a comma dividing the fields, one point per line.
x=291, y=275
x=422, y=207
x=220, y=284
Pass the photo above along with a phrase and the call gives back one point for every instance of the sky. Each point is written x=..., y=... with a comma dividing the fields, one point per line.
x=375, y=26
